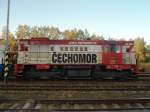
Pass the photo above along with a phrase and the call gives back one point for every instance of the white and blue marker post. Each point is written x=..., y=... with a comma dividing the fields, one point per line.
x=6, y=63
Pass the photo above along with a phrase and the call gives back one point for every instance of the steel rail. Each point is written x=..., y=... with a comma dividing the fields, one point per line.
x=74, y=88
x=77, y=110
x=99, y=101
x=140, y=78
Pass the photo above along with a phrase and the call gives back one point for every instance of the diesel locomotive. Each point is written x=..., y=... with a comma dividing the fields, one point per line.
x=42, y=57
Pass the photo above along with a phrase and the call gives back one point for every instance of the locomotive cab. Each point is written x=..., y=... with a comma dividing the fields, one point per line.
x=120, y=58
x=112, y=54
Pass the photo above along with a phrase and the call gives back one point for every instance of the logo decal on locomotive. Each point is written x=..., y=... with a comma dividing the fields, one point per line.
x=64, y=58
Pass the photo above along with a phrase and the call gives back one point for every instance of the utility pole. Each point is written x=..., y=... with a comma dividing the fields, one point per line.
x=7, y=31
x=6, y=68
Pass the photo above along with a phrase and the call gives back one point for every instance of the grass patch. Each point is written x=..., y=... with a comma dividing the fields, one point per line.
x=145, y=66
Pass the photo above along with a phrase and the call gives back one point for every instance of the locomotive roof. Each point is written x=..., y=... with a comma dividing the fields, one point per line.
x=74, y=42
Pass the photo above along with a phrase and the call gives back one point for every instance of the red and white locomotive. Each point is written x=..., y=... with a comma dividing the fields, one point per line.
x=75, y=58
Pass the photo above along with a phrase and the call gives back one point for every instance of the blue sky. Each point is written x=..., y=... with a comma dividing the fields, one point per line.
x=110, y=18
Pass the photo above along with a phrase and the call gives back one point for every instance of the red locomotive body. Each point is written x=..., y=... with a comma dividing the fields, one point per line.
x=75, y=58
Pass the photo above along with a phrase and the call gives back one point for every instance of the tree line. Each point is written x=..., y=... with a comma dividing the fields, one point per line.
x=26, y=31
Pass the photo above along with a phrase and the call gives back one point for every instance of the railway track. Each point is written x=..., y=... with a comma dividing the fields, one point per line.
x=73, y=88
x=142, y=78
x=76, y=85
x=72, y=82
x=36, y=105
x=75, y=105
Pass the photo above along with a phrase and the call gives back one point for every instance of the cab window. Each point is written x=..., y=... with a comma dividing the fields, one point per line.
x=114, y=48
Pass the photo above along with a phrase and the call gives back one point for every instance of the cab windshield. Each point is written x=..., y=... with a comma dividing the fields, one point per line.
x=112, y=48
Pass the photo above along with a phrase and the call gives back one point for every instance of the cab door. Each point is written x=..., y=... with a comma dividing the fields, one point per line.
x=112, y=54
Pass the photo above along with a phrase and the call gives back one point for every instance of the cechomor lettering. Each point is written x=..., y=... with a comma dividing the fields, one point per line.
x=64, y=58
x=54, y=58
x=94, y=57
x=73, y=58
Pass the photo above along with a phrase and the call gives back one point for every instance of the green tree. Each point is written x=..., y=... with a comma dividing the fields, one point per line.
x=70, y=34
x=139, y=49
x=23, y=32
x=80, y=35
x=76, y=34
x=148, y=47
x=86, y=33
x=96, y=37
x=54, y=33
x=11, y=39
x=35, y=32
x=45, y=31
x=12, y=43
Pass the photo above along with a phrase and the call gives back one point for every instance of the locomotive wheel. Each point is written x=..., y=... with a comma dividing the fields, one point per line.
x=27, y=76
